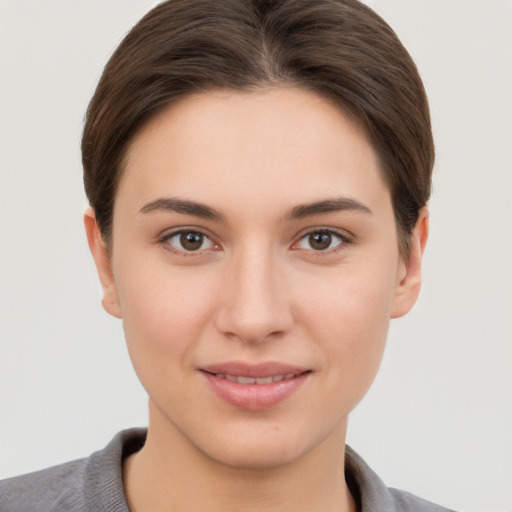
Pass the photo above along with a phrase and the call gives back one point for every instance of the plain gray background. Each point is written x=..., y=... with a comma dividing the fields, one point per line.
x=438, y=420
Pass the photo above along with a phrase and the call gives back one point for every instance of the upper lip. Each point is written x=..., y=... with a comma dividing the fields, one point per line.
x=241, y=369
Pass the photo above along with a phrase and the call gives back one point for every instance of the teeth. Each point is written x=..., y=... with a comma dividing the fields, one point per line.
x=264, y=380
x=246, y=380
x=255, y=380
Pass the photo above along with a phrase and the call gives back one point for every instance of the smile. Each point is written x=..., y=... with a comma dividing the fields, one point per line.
x=256, y=380
x=255, y=387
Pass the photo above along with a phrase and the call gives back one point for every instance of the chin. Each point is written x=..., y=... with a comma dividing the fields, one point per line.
x=254, y=456
x=263, y=445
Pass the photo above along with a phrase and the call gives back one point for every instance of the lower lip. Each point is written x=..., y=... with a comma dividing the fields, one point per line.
x=255, y=397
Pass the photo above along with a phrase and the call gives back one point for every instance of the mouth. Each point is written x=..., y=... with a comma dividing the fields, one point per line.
x=257, y=380
x=255, y=387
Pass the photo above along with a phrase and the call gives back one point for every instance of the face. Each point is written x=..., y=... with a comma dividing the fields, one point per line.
x=255, y=265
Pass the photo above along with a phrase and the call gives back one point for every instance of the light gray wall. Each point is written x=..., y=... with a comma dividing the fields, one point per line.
x=438, y=420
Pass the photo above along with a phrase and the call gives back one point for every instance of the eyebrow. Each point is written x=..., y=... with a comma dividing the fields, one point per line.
x=170, y=204
x=187, y=207
x=327, y=206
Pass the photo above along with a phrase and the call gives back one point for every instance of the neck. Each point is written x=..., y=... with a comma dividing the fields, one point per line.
x=171, y=474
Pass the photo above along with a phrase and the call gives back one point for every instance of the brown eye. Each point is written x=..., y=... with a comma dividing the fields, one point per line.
x=321, y=241
x=189, y=241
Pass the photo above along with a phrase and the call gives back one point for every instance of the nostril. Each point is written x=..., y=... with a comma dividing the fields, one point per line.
x=253, y=310
x=255, y=337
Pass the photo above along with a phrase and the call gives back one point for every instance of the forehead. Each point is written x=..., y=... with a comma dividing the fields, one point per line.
x=270, y=143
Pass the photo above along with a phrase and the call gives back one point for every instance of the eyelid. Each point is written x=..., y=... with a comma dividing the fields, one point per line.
x=345, y=239
x=168, y=234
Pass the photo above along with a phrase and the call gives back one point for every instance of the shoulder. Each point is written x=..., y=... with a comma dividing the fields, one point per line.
x=407, y=502
x=373, y=495
x=92, y=483
x=52, y=489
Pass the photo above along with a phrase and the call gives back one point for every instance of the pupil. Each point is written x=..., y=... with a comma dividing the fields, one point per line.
x=191, y=241
x=320, y=241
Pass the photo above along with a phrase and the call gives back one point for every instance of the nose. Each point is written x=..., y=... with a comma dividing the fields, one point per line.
x=254, y=304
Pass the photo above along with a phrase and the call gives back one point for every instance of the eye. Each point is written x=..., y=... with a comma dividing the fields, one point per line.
x=321, y=240
x=188, y=241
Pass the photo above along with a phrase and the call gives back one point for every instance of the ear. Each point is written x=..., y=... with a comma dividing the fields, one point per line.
x=408, y=287
x=110, y=301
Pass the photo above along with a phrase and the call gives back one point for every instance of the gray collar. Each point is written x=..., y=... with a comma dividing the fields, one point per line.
x=103, y=480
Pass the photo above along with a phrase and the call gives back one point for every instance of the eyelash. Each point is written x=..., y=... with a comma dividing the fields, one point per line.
x=165, y=240
x=343, y=240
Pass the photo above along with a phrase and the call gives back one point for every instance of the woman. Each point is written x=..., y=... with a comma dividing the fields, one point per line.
x=258, y=174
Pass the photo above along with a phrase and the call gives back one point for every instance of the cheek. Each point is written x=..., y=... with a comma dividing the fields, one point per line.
x=350, y=323
x=164, y=313
x=353, y=300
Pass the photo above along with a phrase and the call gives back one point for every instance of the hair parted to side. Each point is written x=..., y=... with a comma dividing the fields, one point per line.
x=338, y=49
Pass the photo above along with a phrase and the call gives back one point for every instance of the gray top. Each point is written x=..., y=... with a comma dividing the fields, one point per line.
x=95, y=484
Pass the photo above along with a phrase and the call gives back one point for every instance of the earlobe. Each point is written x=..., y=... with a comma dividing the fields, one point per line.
x=408, y=288
x=102, y=261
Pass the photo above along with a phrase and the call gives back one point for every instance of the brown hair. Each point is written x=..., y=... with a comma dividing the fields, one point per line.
x=339, y=49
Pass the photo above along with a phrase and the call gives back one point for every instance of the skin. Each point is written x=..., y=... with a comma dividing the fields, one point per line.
x=256, y=290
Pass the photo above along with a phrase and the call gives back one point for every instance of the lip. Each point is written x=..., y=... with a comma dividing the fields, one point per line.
x=254, y=397
x=269, y=369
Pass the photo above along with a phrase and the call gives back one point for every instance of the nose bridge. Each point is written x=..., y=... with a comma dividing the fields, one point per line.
x=254, y=303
